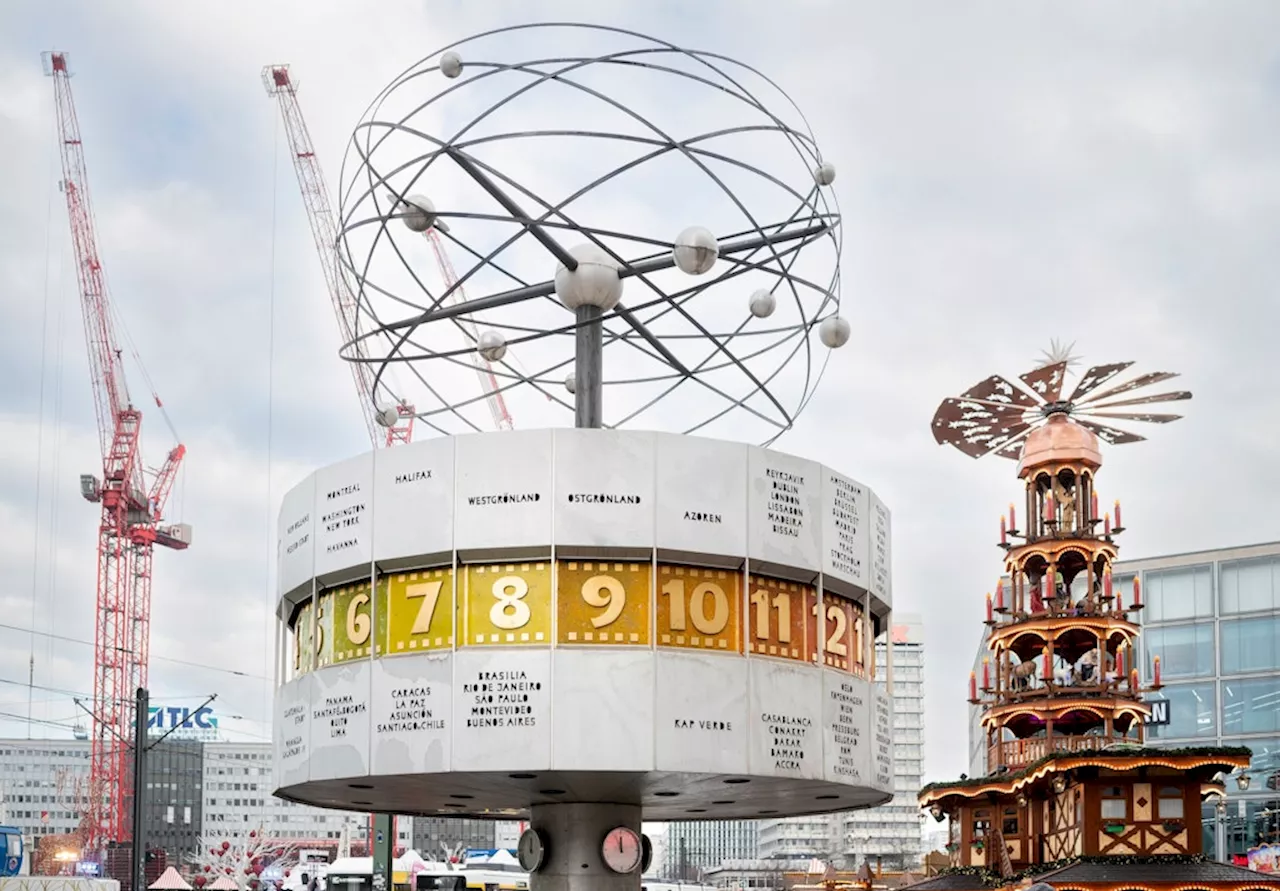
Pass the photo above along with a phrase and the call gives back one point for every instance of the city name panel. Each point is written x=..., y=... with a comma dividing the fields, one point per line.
x=683, y=622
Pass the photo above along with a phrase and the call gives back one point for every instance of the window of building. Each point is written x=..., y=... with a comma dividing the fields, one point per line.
x=1250, y=644
x=1115, y=803
x=1185, y=651
x=1251, y=706
x=1250, y=585
x=1169, y=803
x=1193, y=712
x=981, y=823
x=1185, y=592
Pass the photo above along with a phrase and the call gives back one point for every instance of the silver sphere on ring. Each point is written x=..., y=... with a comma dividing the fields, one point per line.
x=566, y=190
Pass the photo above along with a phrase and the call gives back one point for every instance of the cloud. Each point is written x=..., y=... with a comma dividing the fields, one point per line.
x=1007, y=175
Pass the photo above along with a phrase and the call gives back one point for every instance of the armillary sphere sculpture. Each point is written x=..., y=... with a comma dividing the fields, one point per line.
x=627, y=217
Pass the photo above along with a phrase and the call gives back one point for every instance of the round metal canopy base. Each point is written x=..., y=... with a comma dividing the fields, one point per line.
x=661, y=795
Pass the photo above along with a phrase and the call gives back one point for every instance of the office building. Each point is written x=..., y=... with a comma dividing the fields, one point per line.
x=194, y=788
x=1213, y=618
x=692, y=848
x=890, y=834
x=173, y=771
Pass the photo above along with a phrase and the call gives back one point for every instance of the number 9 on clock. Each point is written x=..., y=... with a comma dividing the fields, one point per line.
x=603, y=602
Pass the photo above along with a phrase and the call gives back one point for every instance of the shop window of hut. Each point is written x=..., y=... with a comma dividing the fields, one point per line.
x=1115, y=803
x=981, y=823
x=1170, y=803
x=1009, y=822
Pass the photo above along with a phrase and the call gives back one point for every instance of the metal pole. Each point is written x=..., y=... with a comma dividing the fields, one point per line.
x=588, y=367
x=137, y=856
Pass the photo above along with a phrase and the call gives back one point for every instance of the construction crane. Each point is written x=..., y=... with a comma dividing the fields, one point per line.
x=133, y=501
x=397, y=421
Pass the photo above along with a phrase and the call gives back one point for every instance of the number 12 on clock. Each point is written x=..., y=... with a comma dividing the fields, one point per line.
x=843, y=642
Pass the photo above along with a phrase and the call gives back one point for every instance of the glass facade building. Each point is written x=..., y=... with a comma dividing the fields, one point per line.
x=1213, y=618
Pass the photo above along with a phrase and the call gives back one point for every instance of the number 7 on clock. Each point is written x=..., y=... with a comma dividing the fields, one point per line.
x=420, y=611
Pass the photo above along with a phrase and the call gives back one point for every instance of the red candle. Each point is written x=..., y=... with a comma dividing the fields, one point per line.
x=989, y=618
x=1133, y=681
x=1048, y=507
x=1106, y=524
x=973, y=687
x=1093, y=507
x=1117, y=508
x=1004, y=532
x=1120, y=601
x=1106, y=585
x=986, y=672
x=1137, y=592
x=1013, y=518
x=1048, y=666
x=1119, y=662
x=999, y=593
x=1155, y=672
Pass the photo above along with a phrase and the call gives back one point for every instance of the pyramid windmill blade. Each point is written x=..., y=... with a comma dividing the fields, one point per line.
x=1137, y=383
x=1110, y=435
x=1095, y=377
x=1012, y=447
x=971, y=426
x=997, y=390
x=1134, y=416
x=1046, y=381
x=1174, y=396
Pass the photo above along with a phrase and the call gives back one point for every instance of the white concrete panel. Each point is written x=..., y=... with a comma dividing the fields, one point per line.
x=503, y=491
x=603, y=710
x=344, y=518
x=881, y=551
x=881, y=741
x=296, y=537
x=502, y=710
x=292, y=732
x=340, y=721
x=701, y=502
x=846, y=743
x=701, y=713
x=846, y=538
x=604, y=489
x=784, y=514
x=786, y=720
x=413, y=494
x=412, y=714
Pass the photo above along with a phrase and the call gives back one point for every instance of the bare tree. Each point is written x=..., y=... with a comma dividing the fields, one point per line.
x=242, y=860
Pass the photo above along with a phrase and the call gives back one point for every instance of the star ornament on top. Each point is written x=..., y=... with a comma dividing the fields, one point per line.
x=995, y=415
x=1059, y=352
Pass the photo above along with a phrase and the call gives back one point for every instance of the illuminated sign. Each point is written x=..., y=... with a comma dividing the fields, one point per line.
x=185, y=723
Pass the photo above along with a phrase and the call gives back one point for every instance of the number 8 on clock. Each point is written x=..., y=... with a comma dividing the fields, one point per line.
x=508, y=604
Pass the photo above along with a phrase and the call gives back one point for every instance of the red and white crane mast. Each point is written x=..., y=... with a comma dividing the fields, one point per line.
x=131, y=514
x=324, y=230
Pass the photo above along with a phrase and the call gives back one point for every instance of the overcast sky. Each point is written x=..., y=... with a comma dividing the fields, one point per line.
x=1009, y=173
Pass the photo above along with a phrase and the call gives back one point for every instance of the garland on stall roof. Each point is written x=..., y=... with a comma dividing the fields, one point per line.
x=1119, y=754
x=994, y=880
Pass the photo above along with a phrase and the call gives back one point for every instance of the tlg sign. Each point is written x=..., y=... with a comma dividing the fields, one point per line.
x=183, y=722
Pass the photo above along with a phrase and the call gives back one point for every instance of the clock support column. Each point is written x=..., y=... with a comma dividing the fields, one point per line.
x=575, y=835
